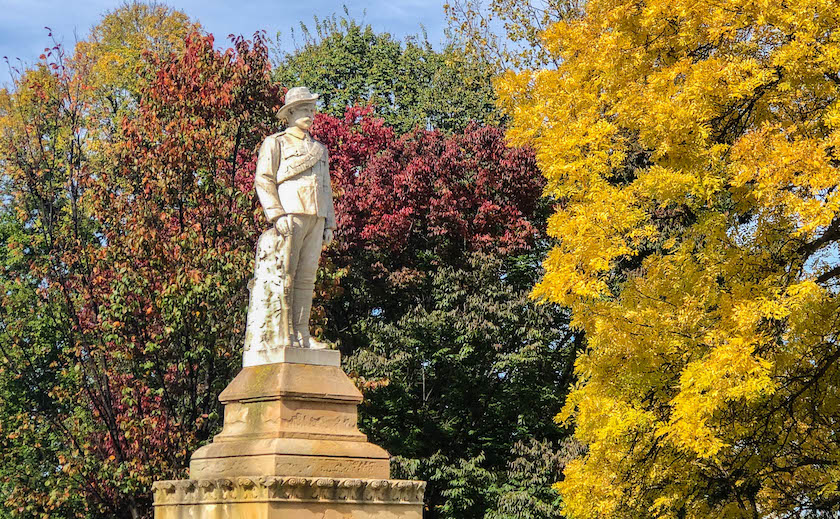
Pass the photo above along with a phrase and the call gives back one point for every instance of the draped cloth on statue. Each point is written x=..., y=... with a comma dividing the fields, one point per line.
x=268, y=288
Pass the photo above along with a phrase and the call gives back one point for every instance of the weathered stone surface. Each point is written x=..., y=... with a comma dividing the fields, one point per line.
x=288, y=498
x=290, y=448
x=291, y=380
x=290, y=419
x=290, y=457
x=292, y=181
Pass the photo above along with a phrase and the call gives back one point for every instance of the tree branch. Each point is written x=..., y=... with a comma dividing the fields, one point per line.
x=825, y=276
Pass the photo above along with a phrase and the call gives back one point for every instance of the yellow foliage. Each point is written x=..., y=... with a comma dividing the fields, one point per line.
x=113, y=51
x=692, y=147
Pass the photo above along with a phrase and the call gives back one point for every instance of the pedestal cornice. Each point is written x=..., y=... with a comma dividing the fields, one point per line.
x=266, y=489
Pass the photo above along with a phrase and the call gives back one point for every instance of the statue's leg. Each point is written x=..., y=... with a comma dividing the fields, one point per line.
x=300, y=224
x=304, y=282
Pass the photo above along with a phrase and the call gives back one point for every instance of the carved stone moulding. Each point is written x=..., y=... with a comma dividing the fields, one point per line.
x=275, y=488
x=273, y=497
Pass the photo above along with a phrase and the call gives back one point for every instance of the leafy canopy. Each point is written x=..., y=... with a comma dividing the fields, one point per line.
x=426, y=286
x=112, y=52
x=692, y=150
x=408, y=83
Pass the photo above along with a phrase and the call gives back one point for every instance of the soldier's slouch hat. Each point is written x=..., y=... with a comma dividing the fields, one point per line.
x=296, y=96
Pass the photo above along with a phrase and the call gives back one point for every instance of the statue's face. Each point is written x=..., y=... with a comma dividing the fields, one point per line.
x=302, y=116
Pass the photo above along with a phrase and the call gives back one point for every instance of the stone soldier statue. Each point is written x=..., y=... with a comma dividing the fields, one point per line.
x=293, y=184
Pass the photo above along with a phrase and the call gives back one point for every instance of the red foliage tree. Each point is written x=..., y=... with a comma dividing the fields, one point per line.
x=408, y=205
x=177, y=221
x=138, y=268
x=428, y=190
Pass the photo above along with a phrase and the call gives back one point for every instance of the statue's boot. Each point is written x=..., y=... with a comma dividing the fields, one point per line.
x=302, y=310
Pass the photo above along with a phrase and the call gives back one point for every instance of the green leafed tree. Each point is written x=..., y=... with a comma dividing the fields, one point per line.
x=408, y=82
x=438, y=239
x=460, y=382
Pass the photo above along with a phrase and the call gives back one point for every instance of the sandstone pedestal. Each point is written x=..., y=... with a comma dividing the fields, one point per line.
x=290, y=448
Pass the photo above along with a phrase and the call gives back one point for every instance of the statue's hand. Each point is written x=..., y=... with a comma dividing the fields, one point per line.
x=328, y=236
x=284, y=225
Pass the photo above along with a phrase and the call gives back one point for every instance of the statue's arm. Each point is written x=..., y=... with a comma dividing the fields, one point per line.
x=265, y=181
x=329, y=222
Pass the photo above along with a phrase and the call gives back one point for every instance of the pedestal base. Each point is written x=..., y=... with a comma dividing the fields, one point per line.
x=269, y=497
x=290, y=419
x=290, y=448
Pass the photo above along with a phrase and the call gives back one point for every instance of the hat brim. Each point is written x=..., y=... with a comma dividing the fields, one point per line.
x=284, y=111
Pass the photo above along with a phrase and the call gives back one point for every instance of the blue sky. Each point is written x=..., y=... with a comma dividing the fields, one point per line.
x=22, y=22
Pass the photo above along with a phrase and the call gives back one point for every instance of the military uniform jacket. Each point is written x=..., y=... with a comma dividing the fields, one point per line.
x=293, y=177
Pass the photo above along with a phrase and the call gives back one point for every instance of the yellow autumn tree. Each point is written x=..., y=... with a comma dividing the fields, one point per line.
x=692, y=147
x=111, y=54
x=106, y=67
